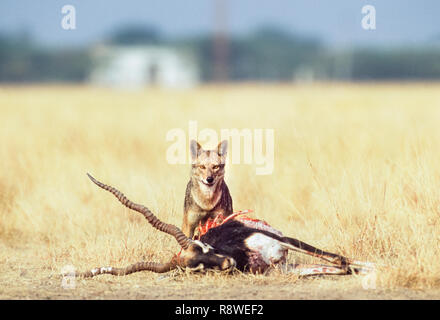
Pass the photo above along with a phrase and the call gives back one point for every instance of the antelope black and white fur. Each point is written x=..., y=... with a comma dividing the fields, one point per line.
x=234, y=244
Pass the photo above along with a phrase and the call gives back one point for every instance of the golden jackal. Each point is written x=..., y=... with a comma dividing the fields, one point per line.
x=207, y=194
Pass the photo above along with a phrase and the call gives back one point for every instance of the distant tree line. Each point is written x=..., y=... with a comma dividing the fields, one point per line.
x=23, y=61
x=268, y=54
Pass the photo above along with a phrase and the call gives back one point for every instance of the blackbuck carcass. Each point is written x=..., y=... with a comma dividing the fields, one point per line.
x=237, y=242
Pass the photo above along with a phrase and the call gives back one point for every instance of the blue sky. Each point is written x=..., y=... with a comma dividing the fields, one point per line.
x=337, y=23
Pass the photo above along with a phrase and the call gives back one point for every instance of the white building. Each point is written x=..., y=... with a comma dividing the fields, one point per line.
x=140, y=66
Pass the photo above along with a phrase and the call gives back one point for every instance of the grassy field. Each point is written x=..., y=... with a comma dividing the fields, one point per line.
x=356, y=172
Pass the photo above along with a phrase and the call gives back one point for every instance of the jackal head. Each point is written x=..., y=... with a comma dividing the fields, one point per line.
x=208, y=166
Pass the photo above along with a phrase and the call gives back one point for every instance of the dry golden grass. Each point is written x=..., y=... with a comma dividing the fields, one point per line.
x=356, y=172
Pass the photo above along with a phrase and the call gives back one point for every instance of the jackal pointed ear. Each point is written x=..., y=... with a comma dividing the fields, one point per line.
x=222, y=148
x=195, y=148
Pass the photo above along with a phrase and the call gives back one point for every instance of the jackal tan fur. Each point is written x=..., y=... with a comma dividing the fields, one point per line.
x=207, y=194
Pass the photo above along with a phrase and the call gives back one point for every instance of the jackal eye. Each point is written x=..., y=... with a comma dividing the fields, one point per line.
x=202, y=167
x=215, y=167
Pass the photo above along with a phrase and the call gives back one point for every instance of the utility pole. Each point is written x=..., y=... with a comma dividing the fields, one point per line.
x=221, y=44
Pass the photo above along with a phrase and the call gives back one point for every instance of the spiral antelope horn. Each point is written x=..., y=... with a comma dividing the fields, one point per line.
x=140, y=266
x=181, y=238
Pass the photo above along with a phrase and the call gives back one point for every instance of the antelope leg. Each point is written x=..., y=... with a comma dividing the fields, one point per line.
x=299, y=246
x=314, y=270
